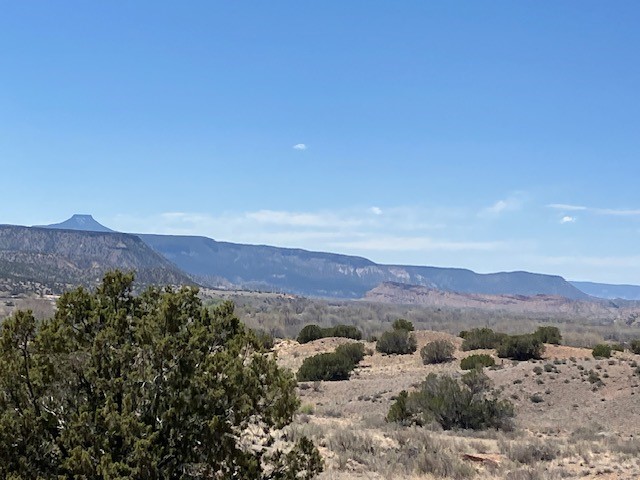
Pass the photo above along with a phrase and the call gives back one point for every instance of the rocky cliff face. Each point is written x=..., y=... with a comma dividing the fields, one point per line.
x=333, y=275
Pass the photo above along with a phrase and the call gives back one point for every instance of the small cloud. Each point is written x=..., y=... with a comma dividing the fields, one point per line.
x=299, y=146
x=499, y=206
x=510, y=204
x=376, y=210
x=568, y=219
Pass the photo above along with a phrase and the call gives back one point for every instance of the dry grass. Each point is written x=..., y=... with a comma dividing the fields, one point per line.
x=575, y=432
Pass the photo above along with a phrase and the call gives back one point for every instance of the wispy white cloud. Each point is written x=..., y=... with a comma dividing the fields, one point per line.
x=393, y=243
x=509, y=204
x=302, y=219
x=568, y=219
x=566, y=207
x=299, y=146
x=370, y=229
x=616, y=212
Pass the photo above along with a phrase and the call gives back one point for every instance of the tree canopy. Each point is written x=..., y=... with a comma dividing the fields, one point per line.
x=148, y=386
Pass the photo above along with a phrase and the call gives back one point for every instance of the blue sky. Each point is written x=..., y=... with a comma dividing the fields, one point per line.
x=493, y=135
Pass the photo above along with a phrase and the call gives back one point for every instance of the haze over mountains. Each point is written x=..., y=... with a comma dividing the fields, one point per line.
x=80, y=249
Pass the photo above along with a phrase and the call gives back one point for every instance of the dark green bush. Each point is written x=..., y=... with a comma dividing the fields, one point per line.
x=438, y=351
x=314, y=332
x=310, y=333
x=337, y=365
x=521, y=347
x=482, y=338
x=548, y=334
x=353, y=351
x=325, y=366
x=618, y=347
x=398, y=342
x=635, y=346
x=601, y=350
x=402, y=324
x=477, y=361
x=344, y=331
x=398, y=411
x=453, y=404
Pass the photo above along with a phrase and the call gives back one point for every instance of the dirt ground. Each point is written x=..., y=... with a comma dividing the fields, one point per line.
x=576, y=417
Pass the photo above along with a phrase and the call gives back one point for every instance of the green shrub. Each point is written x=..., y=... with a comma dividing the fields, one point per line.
x=344, y=331
x=601, y=350
x=354, y=351
x=548, y=334
x=593, y=377
x=438, y=351
x=398, y=411
x=314, y=332
x=476, y=381
x=477, y=361
x=635, y=346
x=452, y=404
x=617, y=347
x=402, y=324
x=397, y=342
x=521, y=347
x=482, y=338
x=310, y=333
x=124, y=385
x=325, y=366
x=264, y=339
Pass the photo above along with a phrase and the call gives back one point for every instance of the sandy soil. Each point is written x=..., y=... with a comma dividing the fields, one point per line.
x=584, y=420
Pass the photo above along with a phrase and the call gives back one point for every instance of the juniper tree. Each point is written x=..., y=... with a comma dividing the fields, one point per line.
x=149, y=386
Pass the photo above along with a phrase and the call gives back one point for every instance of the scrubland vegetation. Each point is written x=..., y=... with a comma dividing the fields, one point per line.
x=122, y=376
x=284, y=316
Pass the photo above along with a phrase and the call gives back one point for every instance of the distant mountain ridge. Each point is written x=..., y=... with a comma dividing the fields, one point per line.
x=60, y=258
x=333, y=275
x=604, y=290
x=261, y=267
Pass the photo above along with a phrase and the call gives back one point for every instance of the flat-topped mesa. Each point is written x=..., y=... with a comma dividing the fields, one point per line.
x=82, y=222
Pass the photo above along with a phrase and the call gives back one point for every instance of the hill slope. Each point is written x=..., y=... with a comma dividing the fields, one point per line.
x=397, y=293
x=58, y=258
